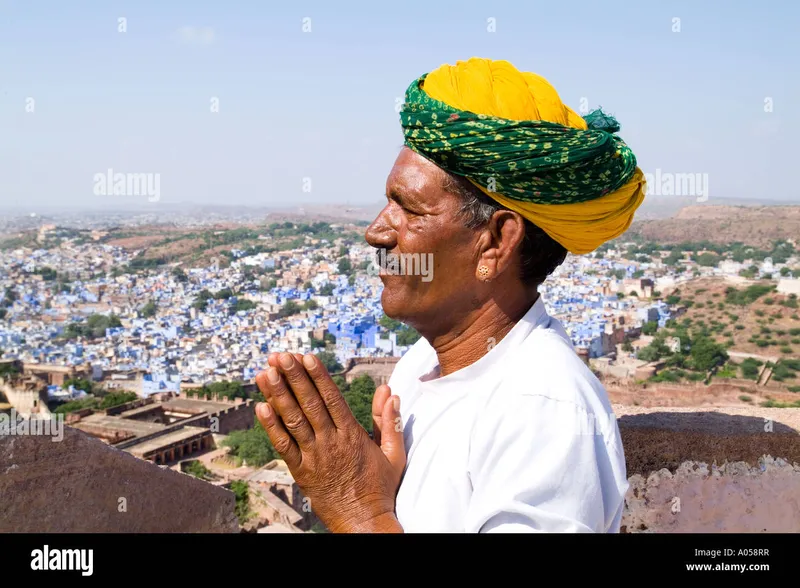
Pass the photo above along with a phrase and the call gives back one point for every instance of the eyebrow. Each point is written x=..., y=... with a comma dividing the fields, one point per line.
x=397, y=194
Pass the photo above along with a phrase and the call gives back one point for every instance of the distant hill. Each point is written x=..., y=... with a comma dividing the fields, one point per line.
x=754, y=225
x=657, y=206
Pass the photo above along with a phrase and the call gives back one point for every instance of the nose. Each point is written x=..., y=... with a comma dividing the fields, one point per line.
x=380, y=233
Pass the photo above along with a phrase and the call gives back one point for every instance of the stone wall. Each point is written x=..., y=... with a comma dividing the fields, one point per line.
x=81, y=485
x=26, y=402
x=721, y=470
x=690, y=470
x=239, y=416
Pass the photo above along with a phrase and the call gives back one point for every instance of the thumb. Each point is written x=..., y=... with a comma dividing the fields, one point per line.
x=392, y=443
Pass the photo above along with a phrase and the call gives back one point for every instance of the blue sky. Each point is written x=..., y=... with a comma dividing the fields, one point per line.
x=320, y=104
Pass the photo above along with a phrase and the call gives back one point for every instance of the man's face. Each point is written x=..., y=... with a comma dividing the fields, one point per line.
x=420, y=225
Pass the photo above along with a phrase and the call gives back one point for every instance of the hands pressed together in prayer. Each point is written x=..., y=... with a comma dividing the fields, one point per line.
x=350, y=479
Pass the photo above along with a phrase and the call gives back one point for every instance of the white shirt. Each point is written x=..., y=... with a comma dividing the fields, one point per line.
x=523, y=440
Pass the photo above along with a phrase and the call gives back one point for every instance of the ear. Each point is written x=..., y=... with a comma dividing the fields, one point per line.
x=498, y=244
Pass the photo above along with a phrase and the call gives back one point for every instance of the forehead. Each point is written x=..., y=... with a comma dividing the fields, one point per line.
x=416, y=176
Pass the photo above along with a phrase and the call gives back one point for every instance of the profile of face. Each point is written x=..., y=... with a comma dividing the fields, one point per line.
x=422, y=218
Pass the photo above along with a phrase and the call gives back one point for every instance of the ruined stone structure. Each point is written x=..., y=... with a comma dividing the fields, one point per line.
x=167, y=430
x=378, y=368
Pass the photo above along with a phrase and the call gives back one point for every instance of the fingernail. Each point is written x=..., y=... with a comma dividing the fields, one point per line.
x=308, y=361
x=264, y=410
x=273, y=376
x=396, y=403
x=286, y=360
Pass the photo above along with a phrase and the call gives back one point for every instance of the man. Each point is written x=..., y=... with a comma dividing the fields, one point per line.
x=490, y=422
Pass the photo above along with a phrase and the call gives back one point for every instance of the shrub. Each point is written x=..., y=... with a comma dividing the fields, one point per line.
x=792, y=364
x=773, y=404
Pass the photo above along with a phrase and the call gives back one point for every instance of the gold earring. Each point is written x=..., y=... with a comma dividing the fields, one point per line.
x=483, y=271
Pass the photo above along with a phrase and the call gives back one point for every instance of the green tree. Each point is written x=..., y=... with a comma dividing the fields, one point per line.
x=180, y=275
x=79, y=384
x=344, y=265
x=225, y=389
x=198, y=470
x=74, y=405
x=242, y=305
x=116, y=398
x=407, y=336
x=653, y=352
x=8, y=369
x=290, y=308
x=650, y=327
x=707, y=354
x=251, y=446
x=149, y=310
x=707, y=259
x=389, y=323
x=359, y=399
x=242, y=492
x=341, y=383
x=330, y=362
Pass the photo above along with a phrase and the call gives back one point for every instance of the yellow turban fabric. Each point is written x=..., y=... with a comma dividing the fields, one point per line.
x=498, y=89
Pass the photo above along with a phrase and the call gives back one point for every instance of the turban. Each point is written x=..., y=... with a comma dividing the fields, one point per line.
x=510, y=135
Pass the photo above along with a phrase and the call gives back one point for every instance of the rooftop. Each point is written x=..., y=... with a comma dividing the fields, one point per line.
x=115, y=423
x=195, y=406
x=182, y=434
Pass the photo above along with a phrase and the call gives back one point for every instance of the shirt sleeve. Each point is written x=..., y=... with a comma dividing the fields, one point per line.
x=543, y=465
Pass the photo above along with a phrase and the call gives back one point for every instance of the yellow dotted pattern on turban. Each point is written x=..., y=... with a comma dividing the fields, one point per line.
x=497, y=88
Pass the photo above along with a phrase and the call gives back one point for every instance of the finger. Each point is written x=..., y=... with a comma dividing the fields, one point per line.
x=274, y=359
x=283, y=401
x=261, y=383
x=380, y=397
x=280, y=438
x=306, y=393
x=338, y=410
x=392, y=442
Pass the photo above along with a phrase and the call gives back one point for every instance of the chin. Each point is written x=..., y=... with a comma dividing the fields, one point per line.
x=395, y=305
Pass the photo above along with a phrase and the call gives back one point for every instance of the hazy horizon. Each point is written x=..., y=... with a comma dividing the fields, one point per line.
x=243, y=104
